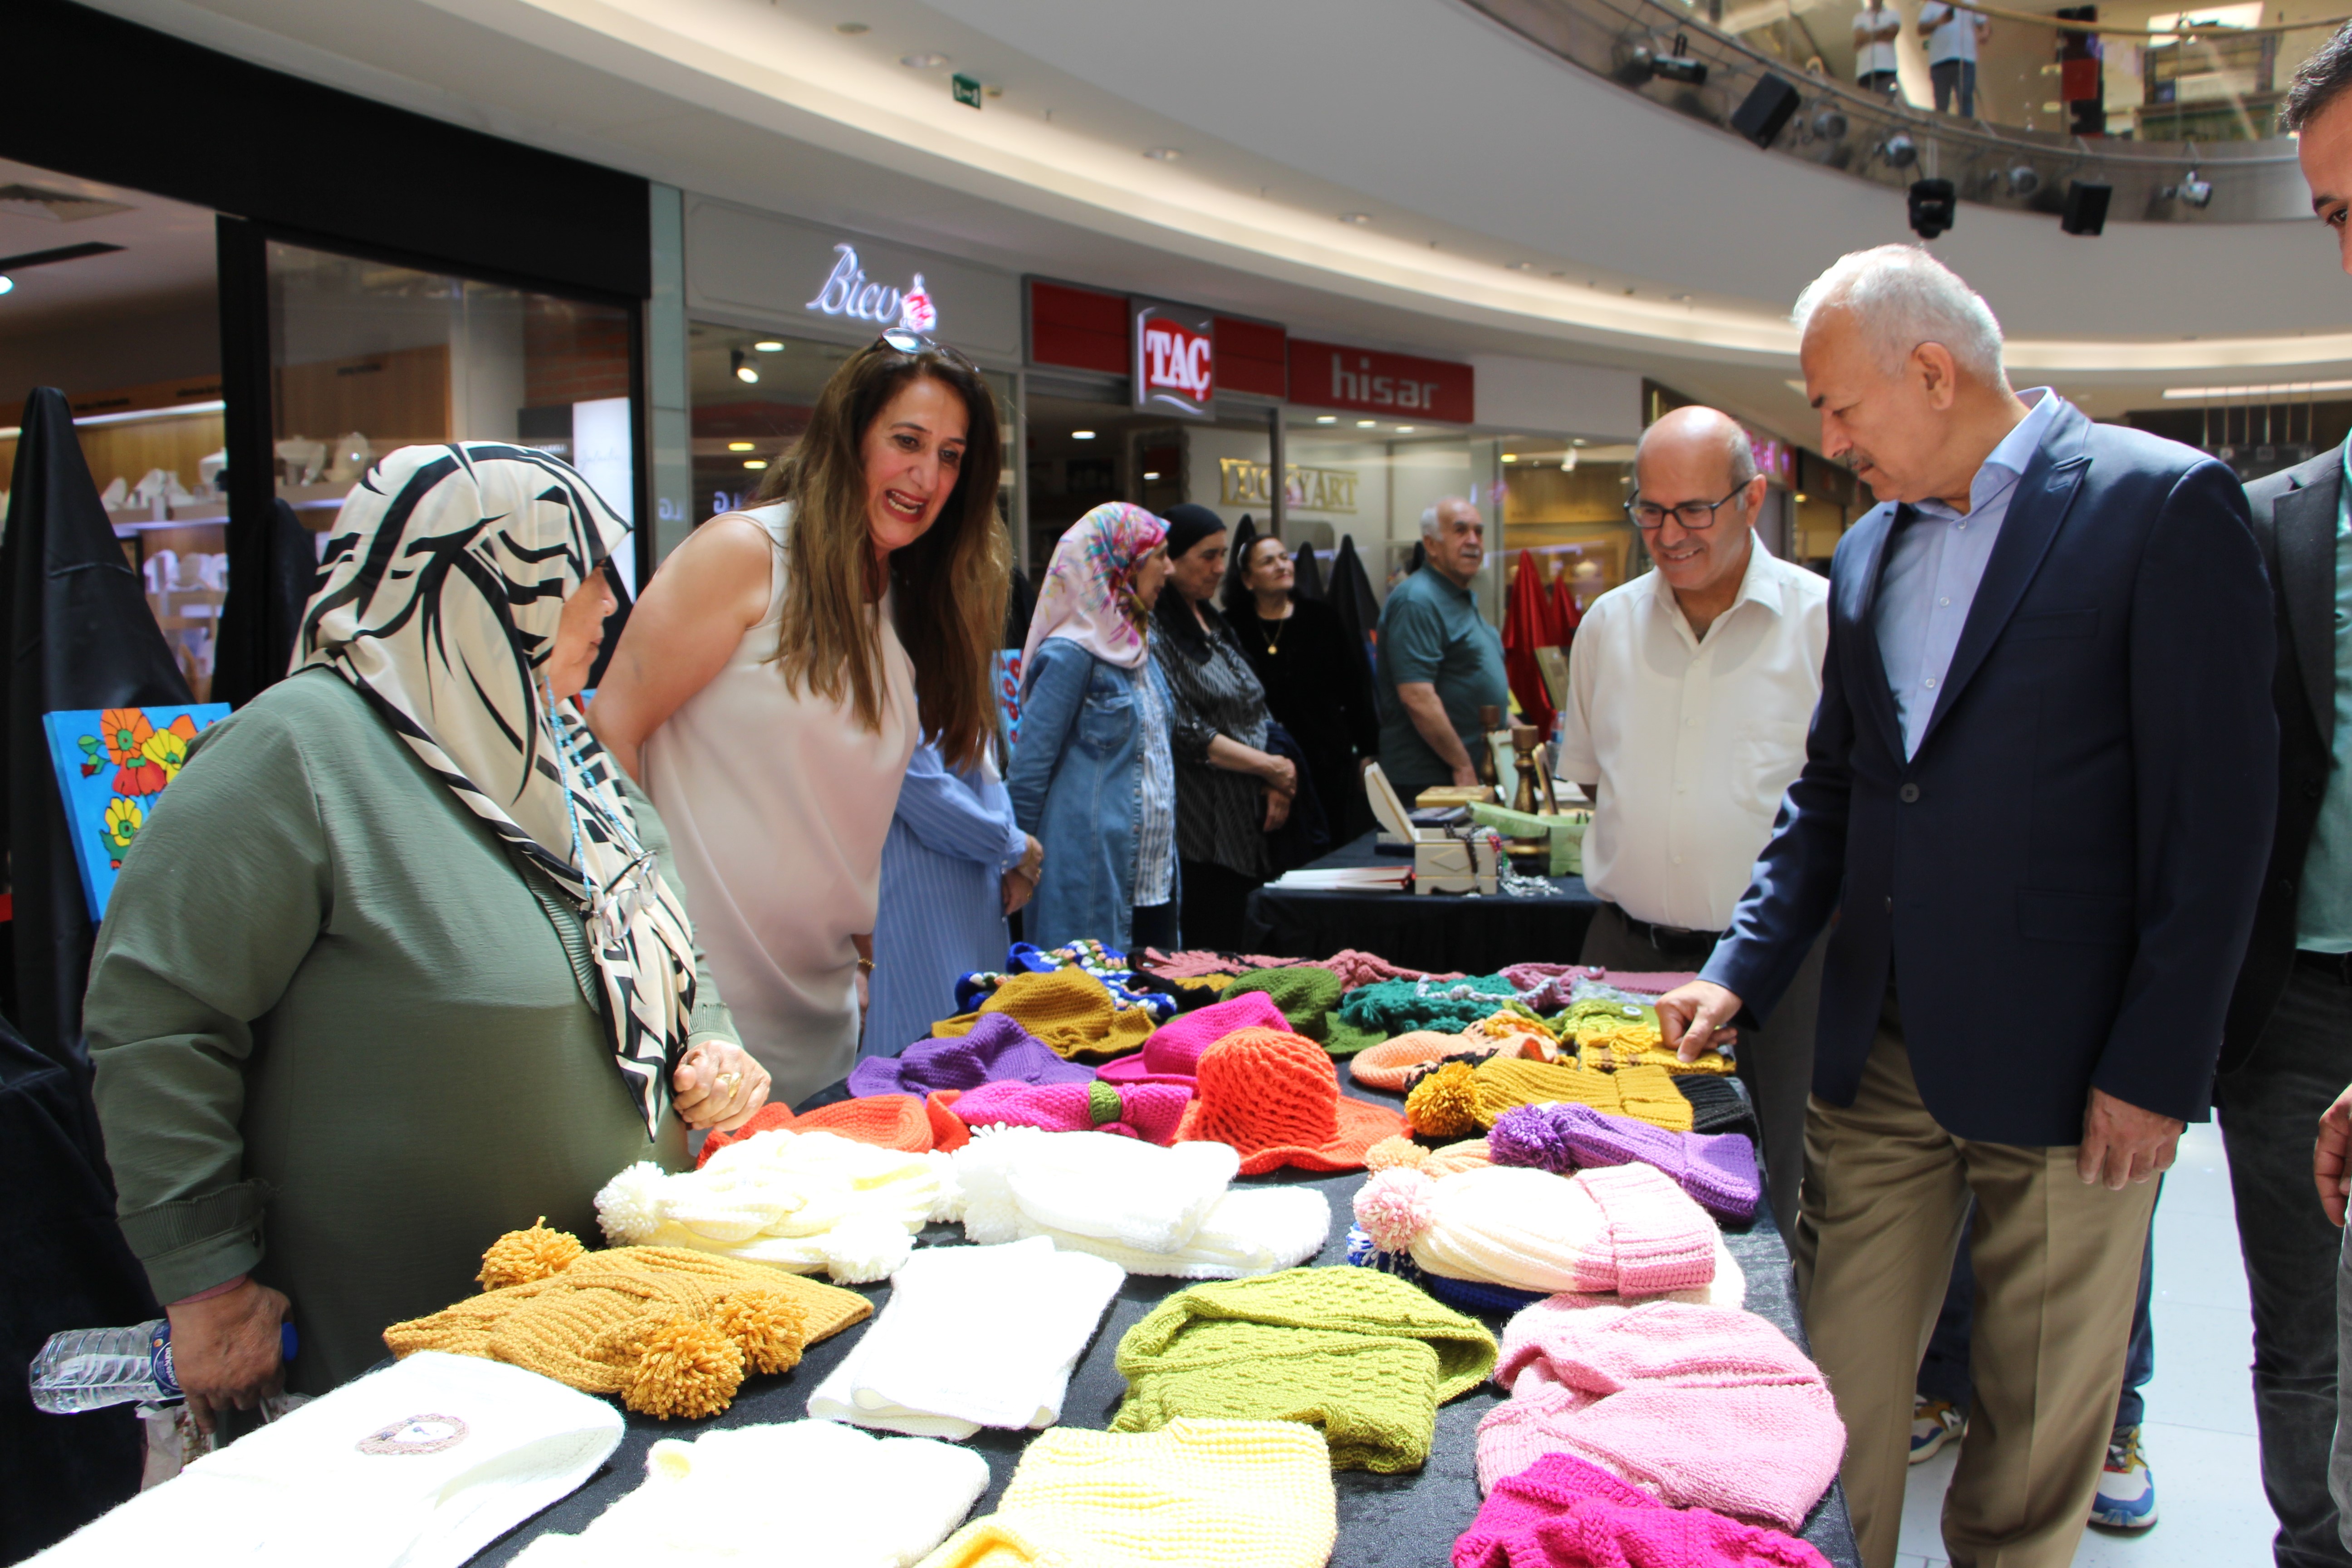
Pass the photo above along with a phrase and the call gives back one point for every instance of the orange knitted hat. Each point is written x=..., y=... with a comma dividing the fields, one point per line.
x=888, y=1120
x=1275, y=1097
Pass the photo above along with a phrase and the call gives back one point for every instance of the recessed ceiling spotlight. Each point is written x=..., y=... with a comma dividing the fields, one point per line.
x=1151, y=476
x=739, y=447
x=1405, y=429
x=1523, y=267
x=1359, y=220
x=1164, y=154
x=1082, y=434
x=922, y=62
x=1510, y=457
x=1576, y=441
x=851, y=29
x=745, y=371
x=6, y=283
x=755, y=462
x=769, y=346
x=1326, y=419
x=1366, y=424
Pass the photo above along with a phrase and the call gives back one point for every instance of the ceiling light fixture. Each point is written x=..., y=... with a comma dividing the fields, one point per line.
x=1082, y=434
x=745, y=371
x=922, y=62
x=739, y=447
x=1801, y=498
x=1358, y=219
x=1523, y=267
x=1164, y=154
x=2281, y=389
x=1568, y=461
x=1366, y=424
x=7, y=284
x=1577, y=441
x=1151, y=476
x=769, y=346
x=1405, y=429
x=755, y=462
x=1326, y=419
x=1510, y=457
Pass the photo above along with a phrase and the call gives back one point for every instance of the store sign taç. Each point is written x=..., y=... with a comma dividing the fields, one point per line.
x=848, y=292
x=1243, y=482
x=1174, y=358
x=1366, y=381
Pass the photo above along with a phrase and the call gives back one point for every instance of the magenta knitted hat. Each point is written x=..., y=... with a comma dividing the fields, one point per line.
x=1705, y=1406
x=1146, y=1110
x=1716, y=1169
x=1172, y=1054
x=1562, y=1512
x=1624, y=1231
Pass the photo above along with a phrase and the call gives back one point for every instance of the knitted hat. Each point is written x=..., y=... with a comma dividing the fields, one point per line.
x=1172, y=1054
x=1706, y=1406
x=1390, y=1152
x=972, y=1337
x=998, y=1048
x=1717, y=1104
x=1395, y=1006
x=1728, y=1289
x=1305, y=994
x=1363, y=1356
x=1561, y=1512
x=885, y=1120
x=1070, y=1010
x=1240, y=1494
x=1611, y=1034
x=1526, y=1034
x=671, y=1331
x=1626, y=1230
x=1276, y=1099
x=1147, y=1110
x=851, y=1497
x=1719, y=1171
x=798, y=1201
x=1147, y=1209
x=1458, y=1100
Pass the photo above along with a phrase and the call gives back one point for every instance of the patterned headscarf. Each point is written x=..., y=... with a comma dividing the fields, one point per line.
x=1088, y=596
x=442, y=587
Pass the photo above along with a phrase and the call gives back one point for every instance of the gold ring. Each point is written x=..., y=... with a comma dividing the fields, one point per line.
x=728, y=1080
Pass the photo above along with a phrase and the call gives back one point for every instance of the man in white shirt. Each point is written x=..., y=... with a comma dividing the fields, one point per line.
x=1689, y=693
x=1952, y=36
x=1876, y=28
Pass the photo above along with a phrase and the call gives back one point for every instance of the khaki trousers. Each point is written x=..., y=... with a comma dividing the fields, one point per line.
x=1886, y=1192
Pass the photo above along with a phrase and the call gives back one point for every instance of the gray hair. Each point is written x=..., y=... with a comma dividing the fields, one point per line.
x=2318, y=83
x=1902, y=297
x=1430, y=527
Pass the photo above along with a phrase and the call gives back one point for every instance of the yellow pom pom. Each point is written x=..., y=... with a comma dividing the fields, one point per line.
x=768, y=1325
x=520, y=1256
x=1393, y=1152
x=1444, y=1104
x=686, y=1368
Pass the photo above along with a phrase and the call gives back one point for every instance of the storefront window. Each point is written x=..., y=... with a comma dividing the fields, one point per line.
x=1565, y=501
x=752, y=395
x=367, y=357
x=1371, y=480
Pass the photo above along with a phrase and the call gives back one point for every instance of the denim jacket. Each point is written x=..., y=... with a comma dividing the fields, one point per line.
x=1073, y=784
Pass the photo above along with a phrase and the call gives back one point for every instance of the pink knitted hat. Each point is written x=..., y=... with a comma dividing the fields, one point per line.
x=1145, y=1111
x=1625, y=1231
x=1172, y=1054
x=1562, y=1512
x=1705, y=1406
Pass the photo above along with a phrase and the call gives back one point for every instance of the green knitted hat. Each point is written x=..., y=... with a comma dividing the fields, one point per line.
x=1310, y=997
x=1363, y=1356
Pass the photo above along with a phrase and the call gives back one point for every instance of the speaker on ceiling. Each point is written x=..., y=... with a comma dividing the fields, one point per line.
x=1765, y=110
x=2086, y=206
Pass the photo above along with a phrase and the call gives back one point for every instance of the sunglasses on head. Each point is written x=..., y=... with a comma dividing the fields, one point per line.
x=907, y=340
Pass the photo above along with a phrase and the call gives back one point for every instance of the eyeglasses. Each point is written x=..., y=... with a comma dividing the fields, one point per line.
x=909, y=341
x=1694, y=515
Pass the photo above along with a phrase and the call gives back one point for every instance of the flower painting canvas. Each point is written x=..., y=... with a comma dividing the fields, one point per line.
x=111, y=765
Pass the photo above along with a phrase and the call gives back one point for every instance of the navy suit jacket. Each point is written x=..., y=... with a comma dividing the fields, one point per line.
x=2065, y=876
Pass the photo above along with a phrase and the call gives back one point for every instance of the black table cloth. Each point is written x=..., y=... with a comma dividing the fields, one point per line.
x=1385, y=1521
x=1474, y=933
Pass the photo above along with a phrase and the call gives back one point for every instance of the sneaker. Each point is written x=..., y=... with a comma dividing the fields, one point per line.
x=2127, y=1495
x=1933, y=1422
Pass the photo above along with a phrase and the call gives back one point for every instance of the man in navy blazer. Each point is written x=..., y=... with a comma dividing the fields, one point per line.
x=2036, y=802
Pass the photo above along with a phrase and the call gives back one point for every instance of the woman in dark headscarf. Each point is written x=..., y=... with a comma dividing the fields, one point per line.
x=1317, y=683
x=396, y=965
x=1231, y=789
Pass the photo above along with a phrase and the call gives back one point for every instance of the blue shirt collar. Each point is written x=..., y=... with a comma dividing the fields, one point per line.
x=2006, y=463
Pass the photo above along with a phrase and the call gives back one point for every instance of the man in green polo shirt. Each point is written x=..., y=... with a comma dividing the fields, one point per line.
x=1439, y=662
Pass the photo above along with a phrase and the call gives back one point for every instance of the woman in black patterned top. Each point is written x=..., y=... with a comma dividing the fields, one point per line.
x=1318, y=679
x=1231, y=792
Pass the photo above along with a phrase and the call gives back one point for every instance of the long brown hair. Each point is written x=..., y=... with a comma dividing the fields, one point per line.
x=950, y=584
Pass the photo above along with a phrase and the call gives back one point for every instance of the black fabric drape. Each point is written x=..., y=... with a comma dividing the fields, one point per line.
x=1306, y=834
x=1020, y=607
x=69, y=1268
x=79, y=634
x=1309, y=584
x=274, y=561
x=1350, y=594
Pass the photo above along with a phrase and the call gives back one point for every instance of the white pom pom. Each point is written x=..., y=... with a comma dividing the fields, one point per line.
x=630, y=1207
x=947, y=1204
x=863, y=1249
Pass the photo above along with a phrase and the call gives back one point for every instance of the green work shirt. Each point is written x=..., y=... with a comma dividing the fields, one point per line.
x=1432, y=631
x=344, y=1039
x=2322, y=911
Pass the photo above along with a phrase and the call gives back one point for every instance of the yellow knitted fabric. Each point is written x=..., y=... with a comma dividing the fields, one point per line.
x=1363, y=1355
x=1646, y=1093
x=592, y=1324
x=1068, y=1009
x=1237, y=1494
x=1612, y=1035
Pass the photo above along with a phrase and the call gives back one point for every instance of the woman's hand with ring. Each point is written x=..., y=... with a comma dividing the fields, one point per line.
x=718, y=1085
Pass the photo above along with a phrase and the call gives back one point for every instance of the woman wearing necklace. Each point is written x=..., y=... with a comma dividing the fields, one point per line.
x=1318, y=685
x=1231, y=789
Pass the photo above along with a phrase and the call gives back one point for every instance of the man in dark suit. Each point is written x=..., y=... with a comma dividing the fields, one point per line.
x=2036, y=797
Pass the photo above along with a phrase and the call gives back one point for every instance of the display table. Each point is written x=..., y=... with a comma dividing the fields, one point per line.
x=1474, y=933
x=1407, y=1521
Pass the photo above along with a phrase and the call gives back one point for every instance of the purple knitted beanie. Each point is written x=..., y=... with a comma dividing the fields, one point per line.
x=1719, y=1170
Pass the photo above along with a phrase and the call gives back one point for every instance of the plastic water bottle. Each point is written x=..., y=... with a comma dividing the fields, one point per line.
x=90, y=1369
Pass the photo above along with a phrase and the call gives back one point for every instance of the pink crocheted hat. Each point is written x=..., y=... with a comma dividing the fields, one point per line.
x=1145, y=1111
x=1275, y=1097
x=1172, y=1054
x=1705, y=1406
x=1561, y=1512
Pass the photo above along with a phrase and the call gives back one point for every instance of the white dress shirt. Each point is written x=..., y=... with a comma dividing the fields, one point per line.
x=1693, y=743
x=1934, y=563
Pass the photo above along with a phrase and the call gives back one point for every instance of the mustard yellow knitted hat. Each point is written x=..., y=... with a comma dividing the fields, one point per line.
x=1460, y=1101
x=1612, y=1035
x=1364, y=1356
x=1068, y=1009
x=671, y=1331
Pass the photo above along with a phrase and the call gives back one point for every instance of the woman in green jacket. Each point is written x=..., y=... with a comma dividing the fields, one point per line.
x=395, y=967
